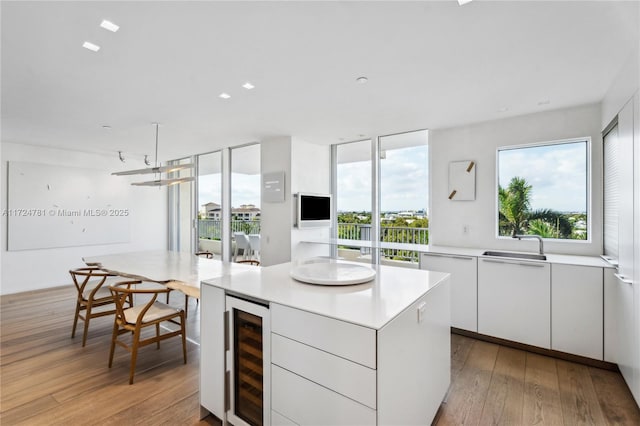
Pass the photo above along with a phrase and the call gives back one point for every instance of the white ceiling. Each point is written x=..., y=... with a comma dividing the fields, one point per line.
x=430, y=64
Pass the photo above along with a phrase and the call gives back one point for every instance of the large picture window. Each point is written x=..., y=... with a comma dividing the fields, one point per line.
x=543, y=190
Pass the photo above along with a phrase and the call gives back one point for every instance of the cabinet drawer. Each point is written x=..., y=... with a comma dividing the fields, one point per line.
x=278, y=419
x=344, y=339
x=305, y=402
x=343, y=376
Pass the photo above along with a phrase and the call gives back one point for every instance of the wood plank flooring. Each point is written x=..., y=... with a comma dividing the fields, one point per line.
x=48, y=378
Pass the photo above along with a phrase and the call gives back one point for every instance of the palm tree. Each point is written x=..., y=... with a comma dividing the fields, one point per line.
x=516, y=216
x=515, y=202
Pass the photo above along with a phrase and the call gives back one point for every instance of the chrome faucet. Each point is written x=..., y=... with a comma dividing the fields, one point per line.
x=531, y=236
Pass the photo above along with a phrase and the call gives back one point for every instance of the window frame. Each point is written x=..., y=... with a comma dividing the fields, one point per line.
x=588, y=183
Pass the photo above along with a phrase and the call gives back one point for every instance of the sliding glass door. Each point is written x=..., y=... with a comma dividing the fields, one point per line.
x=209, y=203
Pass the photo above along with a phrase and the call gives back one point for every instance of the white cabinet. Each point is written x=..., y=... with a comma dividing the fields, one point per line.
x=576, y=310
x=514, y=301
x=327, y=371
x=464, y=286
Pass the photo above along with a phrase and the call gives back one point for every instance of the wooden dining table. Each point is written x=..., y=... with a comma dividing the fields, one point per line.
x=177, y=270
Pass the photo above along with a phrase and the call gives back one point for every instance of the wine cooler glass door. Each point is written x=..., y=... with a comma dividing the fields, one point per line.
x=249, y=363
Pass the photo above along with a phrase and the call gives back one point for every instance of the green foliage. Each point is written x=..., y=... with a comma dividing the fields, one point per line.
x=515, y=202
x=516, y=217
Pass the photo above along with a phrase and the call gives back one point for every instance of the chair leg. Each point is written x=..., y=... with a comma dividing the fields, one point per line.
x=114, y=336
x=168, y=297
x=75, y=320
x=184, y=338
x=158, y=335
x=134, y=355
x=186, y=305
x=87, y=317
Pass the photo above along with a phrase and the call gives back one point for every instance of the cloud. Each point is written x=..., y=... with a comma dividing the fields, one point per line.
x=404, y=182
x=557, y=173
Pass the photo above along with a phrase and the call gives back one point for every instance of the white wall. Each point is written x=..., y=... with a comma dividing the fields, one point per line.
x=310, y=172
x=307, y=169
x=36, y=269
x=479, y=142
x=622, y=89
x=275, y=218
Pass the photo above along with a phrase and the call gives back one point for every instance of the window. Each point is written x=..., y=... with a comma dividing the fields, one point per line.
x=611, y=192
x=180, y=210
x=404, y=191
x=353, y=194
x=543, y=189
x=245, y=189
x=402, y=205
x=210, y=203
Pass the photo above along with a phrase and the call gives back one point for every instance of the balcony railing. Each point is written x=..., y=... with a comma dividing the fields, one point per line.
x=211, y=229
x=391, y=234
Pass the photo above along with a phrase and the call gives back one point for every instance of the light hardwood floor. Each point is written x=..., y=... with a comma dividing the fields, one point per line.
x=47, y=378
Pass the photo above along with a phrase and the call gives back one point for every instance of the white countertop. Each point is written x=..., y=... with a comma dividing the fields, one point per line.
x=568, y=259
x=371, y=304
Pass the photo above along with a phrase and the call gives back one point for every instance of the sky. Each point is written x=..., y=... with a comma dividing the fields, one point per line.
x=557, y=173
x=403, y=176
x=245, y=189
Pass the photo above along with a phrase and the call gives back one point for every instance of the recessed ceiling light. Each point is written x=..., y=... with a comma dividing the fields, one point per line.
x=225, y=95
x=90, y=46
x=110, y=26
x=248, y=86
x=544, y=102
x=463, y=2
x=362, y=80
x=106, y=127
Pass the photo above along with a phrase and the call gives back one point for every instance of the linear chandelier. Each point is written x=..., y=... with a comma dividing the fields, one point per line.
x=158, y=170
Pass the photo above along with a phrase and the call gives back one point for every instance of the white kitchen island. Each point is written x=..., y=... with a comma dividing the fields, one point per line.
x=372, y=353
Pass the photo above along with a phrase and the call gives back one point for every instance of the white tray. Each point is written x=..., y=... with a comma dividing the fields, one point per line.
x=332, y=273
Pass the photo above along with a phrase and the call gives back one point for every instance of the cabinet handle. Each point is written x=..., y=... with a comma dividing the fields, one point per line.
x=623, y=278
x=531, y=265
x=534, y=265
x=493, y=261
x=449, y=256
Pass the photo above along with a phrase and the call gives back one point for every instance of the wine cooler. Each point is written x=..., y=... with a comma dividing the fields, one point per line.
x=248, y=363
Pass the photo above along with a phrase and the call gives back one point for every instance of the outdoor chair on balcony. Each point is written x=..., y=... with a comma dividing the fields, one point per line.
x=242, y=243
x=132, y=321
x=254, y=240
x=92, y=293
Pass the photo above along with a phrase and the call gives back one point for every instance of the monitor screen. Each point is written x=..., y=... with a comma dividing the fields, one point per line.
x=315, y=207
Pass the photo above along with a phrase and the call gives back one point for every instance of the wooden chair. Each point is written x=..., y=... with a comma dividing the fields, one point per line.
x=205, y=254
x=91, y=294
x=135, y=319
x=249, y=262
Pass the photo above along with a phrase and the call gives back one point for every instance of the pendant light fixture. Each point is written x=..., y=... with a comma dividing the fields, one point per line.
x=159, y=170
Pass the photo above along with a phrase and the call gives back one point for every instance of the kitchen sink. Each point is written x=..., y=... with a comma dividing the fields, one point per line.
x=529, y=256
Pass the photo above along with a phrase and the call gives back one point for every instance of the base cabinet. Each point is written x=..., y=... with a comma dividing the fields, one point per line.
x=371, y=380
x=464, y=286
x=576, y=310
x=514, y=301
x=325, y=371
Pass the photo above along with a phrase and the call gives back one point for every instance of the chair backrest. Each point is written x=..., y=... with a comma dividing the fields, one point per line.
x=205, y=254
x=121, y=292
x=255, y=241
x=242, y=241
x=83, y=276
x=249, y=262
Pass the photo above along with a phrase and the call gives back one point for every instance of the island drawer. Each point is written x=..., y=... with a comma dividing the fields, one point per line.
x=304, y=402
x=278, y=419
x=341, y=375
x=346, y=340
